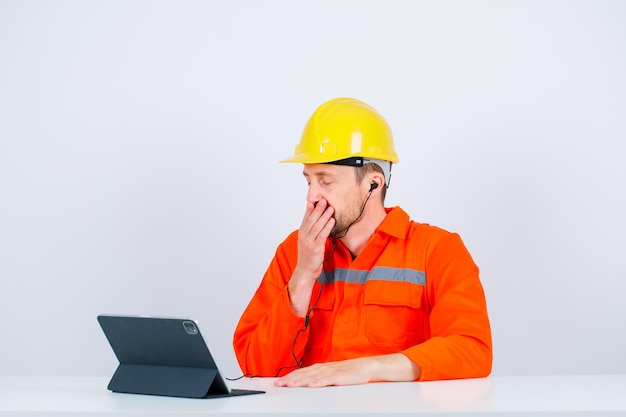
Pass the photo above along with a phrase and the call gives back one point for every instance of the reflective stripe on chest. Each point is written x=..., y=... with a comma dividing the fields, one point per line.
x=378, y=273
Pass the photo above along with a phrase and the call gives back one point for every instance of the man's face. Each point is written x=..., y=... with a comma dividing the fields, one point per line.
x=337, y=185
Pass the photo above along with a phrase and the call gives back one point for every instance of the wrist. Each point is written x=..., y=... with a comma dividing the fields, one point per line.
x=394, y=367
x=299, y=292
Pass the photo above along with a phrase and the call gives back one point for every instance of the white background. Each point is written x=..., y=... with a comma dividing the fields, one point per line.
x=139, y=143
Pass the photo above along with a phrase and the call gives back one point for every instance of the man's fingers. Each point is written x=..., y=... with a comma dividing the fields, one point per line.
x=316, y=221
x=328, y=227
x=317, y=207
x=346, y=372
x=318, y=231
x=315, y=229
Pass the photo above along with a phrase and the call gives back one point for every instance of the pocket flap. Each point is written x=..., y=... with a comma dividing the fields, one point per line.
x=381, y=292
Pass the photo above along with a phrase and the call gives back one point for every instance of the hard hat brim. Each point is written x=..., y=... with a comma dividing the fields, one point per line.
x=309, y=159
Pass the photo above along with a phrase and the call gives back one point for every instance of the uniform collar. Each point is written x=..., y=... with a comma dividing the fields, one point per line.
x=396, y=223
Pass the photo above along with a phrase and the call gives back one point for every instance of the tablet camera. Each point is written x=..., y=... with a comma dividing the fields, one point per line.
x=190, y=327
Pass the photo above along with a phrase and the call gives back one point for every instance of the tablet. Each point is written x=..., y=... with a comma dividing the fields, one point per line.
x=163, y=356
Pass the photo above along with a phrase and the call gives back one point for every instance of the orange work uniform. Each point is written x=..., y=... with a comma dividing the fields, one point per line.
x=413, y=289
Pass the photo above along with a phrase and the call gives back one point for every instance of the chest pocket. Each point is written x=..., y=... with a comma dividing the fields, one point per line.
x=394, y=317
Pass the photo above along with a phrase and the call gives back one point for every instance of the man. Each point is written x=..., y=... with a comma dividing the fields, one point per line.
x=359, y=292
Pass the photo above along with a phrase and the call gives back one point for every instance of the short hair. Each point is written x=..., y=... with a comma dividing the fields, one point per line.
x=369, y=167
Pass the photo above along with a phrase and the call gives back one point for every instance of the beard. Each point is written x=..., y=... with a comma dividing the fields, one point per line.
x=344, y=220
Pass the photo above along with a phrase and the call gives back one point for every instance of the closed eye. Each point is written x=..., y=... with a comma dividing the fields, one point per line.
x=324, y=179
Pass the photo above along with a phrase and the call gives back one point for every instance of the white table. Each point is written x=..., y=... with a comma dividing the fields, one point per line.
x=580, y=395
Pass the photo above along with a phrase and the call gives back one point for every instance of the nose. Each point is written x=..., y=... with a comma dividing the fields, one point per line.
x=313, y=194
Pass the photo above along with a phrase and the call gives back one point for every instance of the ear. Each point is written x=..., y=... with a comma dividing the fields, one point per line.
x=377, y=182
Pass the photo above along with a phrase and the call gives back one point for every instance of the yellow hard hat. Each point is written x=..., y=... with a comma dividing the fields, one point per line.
x=341, y=129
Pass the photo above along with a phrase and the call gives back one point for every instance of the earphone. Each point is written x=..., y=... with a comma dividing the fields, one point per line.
x=373, y=186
